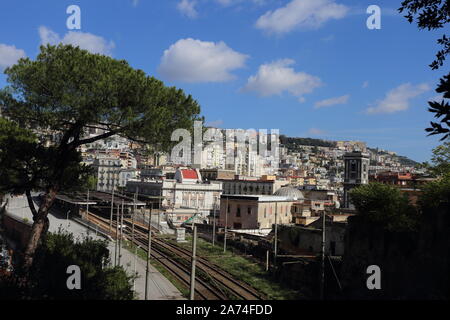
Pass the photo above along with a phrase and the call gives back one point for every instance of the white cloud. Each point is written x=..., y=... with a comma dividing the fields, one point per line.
x=187, y=8
x=332, y=101
x=84, y=40
x=9, y=55
x=316, y=132
x=301, y=14
x=365, y=84
x=191, y=60
x=276, y=77
x=398, y=99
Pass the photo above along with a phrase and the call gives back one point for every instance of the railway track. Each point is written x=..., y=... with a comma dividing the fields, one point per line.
x=237, y=288
x=224, y=283
x=203, y=290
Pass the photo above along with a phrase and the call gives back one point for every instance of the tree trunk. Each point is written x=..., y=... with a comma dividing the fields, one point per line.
x=40, y=227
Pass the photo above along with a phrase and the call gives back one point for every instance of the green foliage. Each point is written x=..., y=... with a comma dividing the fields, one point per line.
x=436, y=193
x=293, y=144
x=431, y=15
x=384, y=205
x=99, y=281
x=440, y=160
x=441, y=110
x=28, y=165
x=68, y=90
x=91, y=182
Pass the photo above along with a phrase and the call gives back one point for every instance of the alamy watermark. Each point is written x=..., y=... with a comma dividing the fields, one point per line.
x=74, y=20
x=373, y=22
x=74, y=280
x=374, y=280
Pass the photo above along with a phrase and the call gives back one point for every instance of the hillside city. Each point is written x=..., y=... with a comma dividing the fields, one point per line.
x=123, y=175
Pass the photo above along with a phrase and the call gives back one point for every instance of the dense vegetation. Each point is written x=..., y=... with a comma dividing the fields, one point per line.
x=293, y=144
x=384, y=205
x=48, y=275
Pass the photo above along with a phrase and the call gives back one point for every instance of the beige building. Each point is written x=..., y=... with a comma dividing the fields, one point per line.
x=254, y=212
x=252, y=187
x=217, y=174
x=258, y=211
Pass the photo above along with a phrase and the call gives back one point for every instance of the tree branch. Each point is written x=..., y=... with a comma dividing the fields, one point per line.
x=96, y=138
x=31, y=203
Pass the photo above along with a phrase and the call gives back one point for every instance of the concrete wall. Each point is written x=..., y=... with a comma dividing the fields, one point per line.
x=16, y=230
x=302, y=240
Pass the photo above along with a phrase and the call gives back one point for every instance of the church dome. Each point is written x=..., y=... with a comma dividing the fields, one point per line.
x=290, y=192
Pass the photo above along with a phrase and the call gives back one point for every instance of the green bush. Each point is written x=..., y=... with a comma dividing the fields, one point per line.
x=48, y=276
x=386, y=206
x=435, y=193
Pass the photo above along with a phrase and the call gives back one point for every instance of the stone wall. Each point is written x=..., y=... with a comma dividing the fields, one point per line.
x=16, y=230
x=414, y=265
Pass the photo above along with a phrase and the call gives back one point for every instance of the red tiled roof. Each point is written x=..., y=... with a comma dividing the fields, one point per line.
x=189, y=174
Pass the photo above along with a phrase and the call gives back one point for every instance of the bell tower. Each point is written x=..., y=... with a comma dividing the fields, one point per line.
x=356, y=173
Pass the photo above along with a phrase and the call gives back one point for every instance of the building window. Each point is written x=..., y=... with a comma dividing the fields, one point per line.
x=193, y=200
x=249, y=210
x=265, y=215
x=185, y=199
x=238, y=211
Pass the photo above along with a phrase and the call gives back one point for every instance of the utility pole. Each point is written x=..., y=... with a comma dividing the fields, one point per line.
x=276, y=236
x=134, y=275
x=132, y=221
x=214, y=221
x=322, y=269
x=117, y=236
x=87, y=204
x=267, y=260
x=112, y=206
x=226, y=225
x=149, y=251
x=158, y=210
x=194, y=249
x=121, y=233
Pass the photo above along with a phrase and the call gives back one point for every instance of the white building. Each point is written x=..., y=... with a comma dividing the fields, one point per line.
x=185, y=191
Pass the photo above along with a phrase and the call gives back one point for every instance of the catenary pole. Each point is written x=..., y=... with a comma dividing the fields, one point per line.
x=214, y=221
x=322, y=269
x=226, y=226
x=112, y=206
x=275, y=249
x=194, y=249
x=149, y=251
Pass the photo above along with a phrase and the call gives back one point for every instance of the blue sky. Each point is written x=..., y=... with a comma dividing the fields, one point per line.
x=310, y=68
